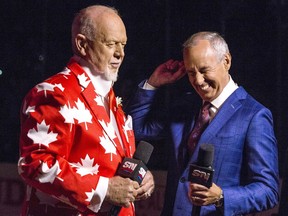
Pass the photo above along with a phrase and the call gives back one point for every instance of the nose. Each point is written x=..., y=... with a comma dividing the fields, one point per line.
x=119, y=52
x=198, y=78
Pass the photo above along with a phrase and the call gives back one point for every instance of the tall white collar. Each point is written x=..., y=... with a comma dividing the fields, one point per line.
x=101, y=85
x=227, y=91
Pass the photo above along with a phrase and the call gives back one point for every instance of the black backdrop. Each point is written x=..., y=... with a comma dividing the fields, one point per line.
x=35, y=43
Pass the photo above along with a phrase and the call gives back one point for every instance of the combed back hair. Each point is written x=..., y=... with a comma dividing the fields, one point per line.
x=216, y=41
x=83, y=23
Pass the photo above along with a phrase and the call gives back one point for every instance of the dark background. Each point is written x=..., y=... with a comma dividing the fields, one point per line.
x=35, y=43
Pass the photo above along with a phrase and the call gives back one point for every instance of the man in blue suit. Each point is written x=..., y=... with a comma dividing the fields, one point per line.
x=240, y=128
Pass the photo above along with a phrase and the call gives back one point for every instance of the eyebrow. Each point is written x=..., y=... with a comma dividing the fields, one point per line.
x=204, y=67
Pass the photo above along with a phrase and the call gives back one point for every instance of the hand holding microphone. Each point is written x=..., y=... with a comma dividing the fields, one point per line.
x=202, y=190
x=202, y=172
x=121, y=191
x=146, y=187
x=130, y=175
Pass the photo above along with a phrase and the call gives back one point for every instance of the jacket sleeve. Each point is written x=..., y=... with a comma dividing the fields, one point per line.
x=148, y=123
x=258, y=190
x=46, y=141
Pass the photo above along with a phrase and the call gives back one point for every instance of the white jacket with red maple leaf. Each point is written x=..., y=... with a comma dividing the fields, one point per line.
x=68, y=144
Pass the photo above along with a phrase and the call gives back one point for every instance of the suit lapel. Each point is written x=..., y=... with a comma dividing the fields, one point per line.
x=95, y=105
x=120, y=121
x=226, y=111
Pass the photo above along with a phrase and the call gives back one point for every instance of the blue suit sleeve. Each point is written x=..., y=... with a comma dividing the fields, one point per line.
x=260, y=187
x=147, y=122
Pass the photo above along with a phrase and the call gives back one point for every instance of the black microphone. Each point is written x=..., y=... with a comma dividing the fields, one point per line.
x=134, y=168
x=202, y=172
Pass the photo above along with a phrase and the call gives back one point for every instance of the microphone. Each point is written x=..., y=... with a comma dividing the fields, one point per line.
x=202, y=172
x=134, y=168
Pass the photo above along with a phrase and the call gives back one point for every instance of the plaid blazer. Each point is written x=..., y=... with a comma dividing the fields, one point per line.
x=245, y=159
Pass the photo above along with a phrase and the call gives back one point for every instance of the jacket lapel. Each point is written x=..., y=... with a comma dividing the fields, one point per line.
x=226, y=111
x=230, y=106
x=95, y=105
x=120, y=118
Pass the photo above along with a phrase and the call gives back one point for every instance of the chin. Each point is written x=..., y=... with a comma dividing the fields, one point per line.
x=111, y=76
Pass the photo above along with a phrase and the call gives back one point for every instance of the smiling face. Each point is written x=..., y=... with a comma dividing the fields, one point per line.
x=207, y=74
x=104, y=49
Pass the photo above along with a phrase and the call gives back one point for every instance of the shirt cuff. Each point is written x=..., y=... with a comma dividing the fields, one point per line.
x=99, y=194
x=147, y=86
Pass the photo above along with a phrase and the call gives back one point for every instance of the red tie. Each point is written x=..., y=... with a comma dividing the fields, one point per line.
x=199, y=127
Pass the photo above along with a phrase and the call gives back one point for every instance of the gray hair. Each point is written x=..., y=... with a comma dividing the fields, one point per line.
x=83, y=23
x=216, y=41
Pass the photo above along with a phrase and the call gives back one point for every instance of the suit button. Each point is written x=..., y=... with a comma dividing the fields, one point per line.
x=182, y=179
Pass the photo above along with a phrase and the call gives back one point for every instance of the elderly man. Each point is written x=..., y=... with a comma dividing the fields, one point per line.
x=74, y=132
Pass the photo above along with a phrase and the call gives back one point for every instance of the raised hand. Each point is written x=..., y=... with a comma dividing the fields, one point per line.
x=167, y=73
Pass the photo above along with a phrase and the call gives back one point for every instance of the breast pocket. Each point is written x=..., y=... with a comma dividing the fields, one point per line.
x=228, y=156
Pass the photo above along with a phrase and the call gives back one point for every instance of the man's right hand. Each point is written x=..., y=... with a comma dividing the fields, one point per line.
x=121, y=191
x=167, y=73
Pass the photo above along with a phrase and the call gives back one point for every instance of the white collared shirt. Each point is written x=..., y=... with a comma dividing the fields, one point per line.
x=227, y=91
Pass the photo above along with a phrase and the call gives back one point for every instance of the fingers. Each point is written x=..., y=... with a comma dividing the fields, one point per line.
x=134, y=189
x=147, y=187
x=176, y=69
x=197, y=194
x=144, y=192
x=196, y=200
x=144, y=196
x=201, y=195
x=167, y=73
x=172, y=64
x=121, y=191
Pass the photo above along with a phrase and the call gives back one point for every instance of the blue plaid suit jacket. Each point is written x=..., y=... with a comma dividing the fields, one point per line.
x=245, y=159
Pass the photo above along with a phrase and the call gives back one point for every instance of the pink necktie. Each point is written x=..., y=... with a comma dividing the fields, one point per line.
x=199, y=127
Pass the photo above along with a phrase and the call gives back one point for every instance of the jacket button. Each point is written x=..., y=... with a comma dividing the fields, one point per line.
x=182, y=179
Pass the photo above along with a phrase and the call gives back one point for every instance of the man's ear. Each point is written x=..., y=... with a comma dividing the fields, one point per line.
x=227, y=61
x=81, y=44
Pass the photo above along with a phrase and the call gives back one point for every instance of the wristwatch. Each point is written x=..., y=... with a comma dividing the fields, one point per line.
x=219, y=203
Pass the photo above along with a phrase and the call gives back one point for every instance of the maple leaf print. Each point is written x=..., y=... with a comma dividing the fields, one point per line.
x=27, y=110
x=86, y=166
x=60, y=87
x=82, y=114
x=126, y=130
x=83, y=80
x=65, y=72
x=48, y=174
x=127, y=127
x=107, y=144
x=109, y=128
x=99, y=101
x=68, y=113
x=90, y=195
x=41, y=135
x=48, y=87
